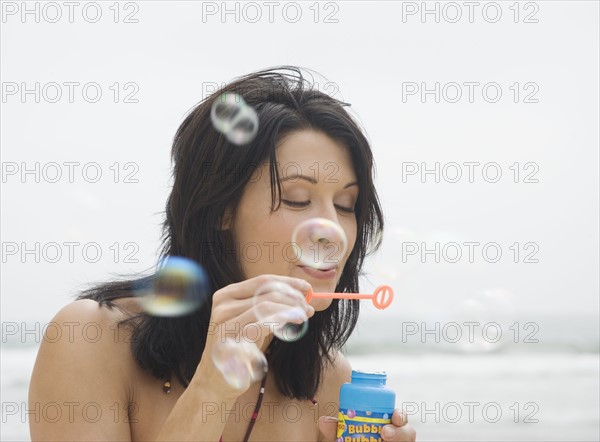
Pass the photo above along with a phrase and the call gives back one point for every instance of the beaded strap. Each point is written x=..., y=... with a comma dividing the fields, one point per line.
x=257, y=408
x=261, y=393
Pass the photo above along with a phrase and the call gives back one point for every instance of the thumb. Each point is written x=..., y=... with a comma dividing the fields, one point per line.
x=328, y=428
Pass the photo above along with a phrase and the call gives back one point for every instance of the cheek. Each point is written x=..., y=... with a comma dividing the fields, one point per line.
x=351, y=231
x=268, y=244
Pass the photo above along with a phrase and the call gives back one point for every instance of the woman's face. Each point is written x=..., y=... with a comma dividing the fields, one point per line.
x=261, y=236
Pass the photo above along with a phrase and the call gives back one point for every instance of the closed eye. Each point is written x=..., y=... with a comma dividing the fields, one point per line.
x=296, y=203
x=306, y=203
x=345, y=209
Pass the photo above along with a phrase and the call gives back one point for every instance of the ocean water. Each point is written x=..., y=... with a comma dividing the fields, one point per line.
x=495, y=397
x=546, y=396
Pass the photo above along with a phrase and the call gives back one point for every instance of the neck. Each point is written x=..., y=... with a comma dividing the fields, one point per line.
x=266, y=342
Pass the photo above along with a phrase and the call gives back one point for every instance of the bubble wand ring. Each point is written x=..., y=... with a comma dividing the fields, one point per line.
x=382, y=296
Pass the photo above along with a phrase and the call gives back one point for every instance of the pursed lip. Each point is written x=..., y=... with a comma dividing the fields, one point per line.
x=320, y=274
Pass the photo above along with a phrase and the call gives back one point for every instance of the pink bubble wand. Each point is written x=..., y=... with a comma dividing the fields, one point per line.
x=382, y=296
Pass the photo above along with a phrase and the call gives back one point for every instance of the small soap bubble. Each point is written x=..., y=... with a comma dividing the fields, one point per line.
x=291, y=331
x=288, y=324
x=178, y=288
x=490, y=312
x=241, y=362
x=245, y=128
x=351, y=414
x=227, y=106
x=397, y=259
x=321, y=243
x=234, y=118
x=225, y=109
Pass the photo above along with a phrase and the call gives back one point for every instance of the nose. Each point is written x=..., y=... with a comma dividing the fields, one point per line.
x=328, y=231
x=322, y=238
x=329, y=235
x=330, y=213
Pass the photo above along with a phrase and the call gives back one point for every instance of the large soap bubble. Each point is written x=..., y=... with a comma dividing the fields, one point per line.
x=289, y=323
x=241, y=362
x=321, y=243
x=178, y=288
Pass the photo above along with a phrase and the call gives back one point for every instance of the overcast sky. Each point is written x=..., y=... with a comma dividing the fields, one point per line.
x=517, y=91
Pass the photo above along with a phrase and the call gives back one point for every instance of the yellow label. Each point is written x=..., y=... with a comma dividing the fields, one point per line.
x=341, y=425
x=353, y=428
x=373, y=420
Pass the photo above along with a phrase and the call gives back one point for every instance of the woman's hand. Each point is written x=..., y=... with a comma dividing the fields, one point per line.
x=398, y=431
x=233, y=316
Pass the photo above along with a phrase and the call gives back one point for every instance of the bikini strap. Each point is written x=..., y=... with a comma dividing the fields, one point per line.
x=257, y=408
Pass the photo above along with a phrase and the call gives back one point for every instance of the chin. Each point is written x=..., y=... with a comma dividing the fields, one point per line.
x=320, y=304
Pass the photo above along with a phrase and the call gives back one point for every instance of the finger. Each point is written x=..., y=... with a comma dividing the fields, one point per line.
x=264, y=306
x=228, y=310
x=268, y=303
x=399, y=418
x=328, y=428
x=268, y=307
x=271, y=296
x=297, y=283
x=248, y=319
x=255, y=333
x=247, y=288
x=405, y=433
x=234, y=326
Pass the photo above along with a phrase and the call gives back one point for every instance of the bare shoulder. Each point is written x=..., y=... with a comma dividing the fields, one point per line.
x=335, y=375
x=87, y=333
x=341, y=369
x=86, y=326
x=83, y=361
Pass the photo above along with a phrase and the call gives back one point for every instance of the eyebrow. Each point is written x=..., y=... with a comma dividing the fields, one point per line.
x=311, y=180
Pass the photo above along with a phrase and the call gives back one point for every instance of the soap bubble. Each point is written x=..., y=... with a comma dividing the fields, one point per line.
x=232, y=117
x=322, y=243
x=224, y=109
x=291, y=331
x=288, y=324
x=395, y=260
x=245, y=128
x=491, y=312
x=178, y=288
x=241, y=362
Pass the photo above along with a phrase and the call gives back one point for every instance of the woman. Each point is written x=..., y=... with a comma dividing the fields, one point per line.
x=132, y=376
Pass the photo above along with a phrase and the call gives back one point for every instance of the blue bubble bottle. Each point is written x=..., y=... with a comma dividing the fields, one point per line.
x=366, y=405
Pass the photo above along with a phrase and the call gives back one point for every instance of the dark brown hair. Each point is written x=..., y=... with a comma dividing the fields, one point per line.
x=210, y=174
